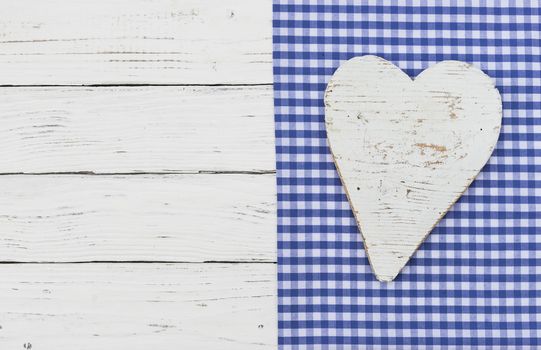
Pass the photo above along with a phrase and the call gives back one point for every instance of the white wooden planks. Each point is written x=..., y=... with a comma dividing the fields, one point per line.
x=135, y=41
x=136, y=129
x=407, y=149
x=191, y=218
x=138, y=306
x=129, y=92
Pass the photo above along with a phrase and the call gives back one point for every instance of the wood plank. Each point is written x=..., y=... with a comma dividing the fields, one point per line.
x=135, y=41
x=136, y=129
x=138, y=306
x=65, y=218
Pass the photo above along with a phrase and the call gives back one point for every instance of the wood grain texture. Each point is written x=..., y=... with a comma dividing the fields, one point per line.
x=136, y=129
x=406, y=150
x=144, y=218
x=78, y=42
x=138, y=306
x=127, y=92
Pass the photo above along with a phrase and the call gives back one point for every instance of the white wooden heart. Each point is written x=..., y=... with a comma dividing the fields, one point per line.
x=407, y=149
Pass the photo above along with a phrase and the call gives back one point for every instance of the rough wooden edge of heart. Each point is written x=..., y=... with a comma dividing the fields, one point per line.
x=387, y=279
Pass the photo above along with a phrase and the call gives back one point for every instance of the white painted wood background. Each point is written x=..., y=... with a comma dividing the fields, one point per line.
x=137, y=181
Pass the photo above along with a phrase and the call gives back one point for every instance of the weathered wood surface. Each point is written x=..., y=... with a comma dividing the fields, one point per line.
x=123, y=140
x=138, y=306
x=136, y=129
x=180, y=218
x=135, y=41
x=407, y=149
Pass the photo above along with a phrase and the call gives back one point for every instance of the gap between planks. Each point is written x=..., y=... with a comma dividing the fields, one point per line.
x=131, y=85
x=179, y=172
x=135, y=262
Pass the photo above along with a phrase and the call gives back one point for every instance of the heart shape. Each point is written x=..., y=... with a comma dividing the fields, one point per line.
x=407, y=149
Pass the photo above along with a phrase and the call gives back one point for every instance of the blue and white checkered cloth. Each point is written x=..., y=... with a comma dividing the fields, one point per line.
x=476, y=282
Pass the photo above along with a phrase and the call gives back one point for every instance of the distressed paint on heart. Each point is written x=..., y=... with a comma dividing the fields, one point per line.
x=407, y=149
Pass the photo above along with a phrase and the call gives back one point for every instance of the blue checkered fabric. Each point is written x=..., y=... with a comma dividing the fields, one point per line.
x=476, y=282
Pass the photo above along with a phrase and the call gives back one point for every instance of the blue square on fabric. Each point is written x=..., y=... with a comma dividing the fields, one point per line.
x=475, y=283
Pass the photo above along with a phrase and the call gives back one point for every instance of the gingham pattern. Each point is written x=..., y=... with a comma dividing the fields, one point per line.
x=476, y=282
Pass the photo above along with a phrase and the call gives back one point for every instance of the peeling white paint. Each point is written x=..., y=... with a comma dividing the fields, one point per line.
x=135, y=42
x=407, y=149
x=124, y=188
x=138, y=306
